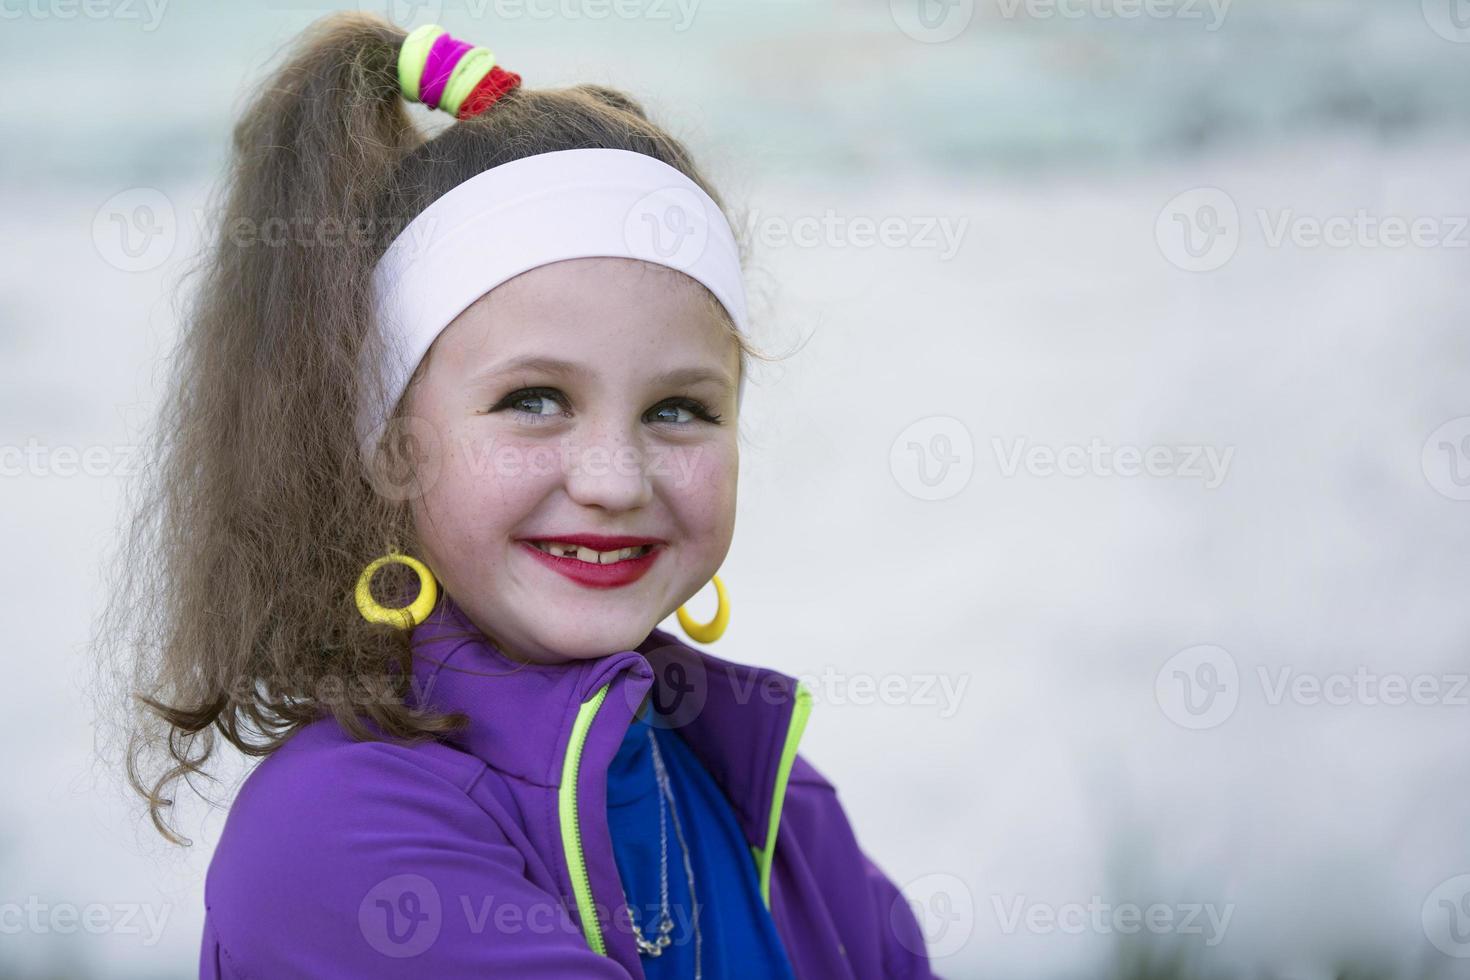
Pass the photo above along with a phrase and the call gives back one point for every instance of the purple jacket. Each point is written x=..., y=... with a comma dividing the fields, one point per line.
x=489, y=855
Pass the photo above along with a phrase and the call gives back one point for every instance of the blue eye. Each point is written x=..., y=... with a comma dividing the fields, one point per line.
x=543, y=402
x=692, y=408
x=547, y=403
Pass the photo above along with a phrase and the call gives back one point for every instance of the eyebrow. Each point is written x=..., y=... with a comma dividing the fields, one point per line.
x=569, y=369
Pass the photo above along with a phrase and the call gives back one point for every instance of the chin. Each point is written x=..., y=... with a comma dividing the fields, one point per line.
x=579, y=644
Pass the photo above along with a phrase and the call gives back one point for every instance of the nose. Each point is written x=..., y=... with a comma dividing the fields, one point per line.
x=606, y=466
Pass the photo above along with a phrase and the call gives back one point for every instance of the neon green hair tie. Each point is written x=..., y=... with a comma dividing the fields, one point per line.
x=473, y=67
x=412, y=57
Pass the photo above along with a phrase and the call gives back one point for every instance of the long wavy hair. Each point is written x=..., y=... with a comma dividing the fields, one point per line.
x=231, y=610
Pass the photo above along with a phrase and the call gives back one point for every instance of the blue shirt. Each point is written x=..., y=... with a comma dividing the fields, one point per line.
x=737, y=935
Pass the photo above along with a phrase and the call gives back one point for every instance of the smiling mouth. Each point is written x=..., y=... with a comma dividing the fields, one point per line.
x=591, y=556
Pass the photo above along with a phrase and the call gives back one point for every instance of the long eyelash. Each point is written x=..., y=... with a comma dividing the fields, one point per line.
x=698, y=409
x=521, y=393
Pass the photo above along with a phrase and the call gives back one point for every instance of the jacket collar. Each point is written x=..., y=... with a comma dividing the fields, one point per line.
x=733, y=716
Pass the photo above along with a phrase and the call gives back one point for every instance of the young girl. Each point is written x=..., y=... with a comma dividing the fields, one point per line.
x=453, y=429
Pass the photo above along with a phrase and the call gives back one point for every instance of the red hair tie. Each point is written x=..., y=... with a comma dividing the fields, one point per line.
x=496, y=83
x=445, y=73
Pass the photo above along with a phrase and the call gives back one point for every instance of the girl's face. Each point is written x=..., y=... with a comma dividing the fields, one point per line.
x=578, y=399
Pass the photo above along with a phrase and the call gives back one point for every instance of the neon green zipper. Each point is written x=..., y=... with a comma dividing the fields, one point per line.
x=763, y=858
x=571, y=830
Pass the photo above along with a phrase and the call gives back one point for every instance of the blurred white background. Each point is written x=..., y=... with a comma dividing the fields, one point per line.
x=1129, y=467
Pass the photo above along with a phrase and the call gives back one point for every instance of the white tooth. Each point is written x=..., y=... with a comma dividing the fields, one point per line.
x=564, y=550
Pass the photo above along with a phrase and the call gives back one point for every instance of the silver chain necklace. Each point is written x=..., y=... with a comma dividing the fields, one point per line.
x=655, y=947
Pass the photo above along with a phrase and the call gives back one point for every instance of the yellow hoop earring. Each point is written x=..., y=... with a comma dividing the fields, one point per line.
x=405, y=617
x=711, y=631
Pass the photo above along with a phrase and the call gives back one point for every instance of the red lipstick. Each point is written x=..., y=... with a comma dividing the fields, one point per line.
x=609, y=576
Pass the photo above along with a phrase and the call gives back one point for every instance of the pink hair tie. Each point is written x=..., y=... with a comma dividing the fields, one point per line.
x=443, y=56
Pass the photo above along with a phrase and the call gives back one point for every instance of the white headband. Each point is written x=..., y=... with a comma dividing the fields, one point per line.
x=531, y=212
